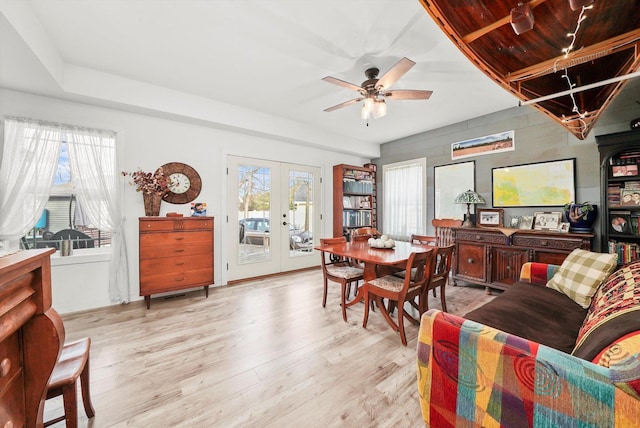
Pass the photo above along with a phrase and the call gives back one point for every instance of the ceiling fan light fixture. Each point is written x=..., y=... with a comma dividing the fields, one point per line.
x=367, y=108
x=522, y=18
x=364, y=114
x=379, y=109
x=579, y=4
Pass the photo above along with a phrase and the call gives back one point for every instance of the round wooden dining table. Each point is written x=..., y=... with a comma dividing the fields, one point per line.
x=377, y=261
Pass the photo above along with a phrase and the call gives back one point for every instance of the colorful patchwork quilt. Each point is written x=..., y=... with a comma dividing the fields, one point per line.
x=471, y=375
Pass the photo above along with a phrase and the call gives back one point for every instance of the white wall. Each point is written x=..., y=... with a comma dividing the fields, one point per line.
x=148, y=142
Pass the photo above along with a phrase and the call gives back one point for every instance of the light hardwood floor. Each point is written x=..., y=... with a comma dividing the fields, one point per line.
x=258, y=354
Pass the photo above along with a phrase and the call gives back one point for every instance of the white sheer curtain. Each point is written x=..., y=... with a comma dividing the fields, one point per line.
x=29, y=159
x=92, y=157
x=404, y=206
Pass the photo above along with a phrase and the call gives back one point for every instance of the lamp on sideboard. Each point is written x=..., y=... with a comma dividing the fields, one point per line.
x=469, y=197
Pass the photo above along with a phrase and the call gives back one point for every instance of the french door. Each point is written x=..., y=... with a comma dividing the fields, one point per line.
x=274, y=217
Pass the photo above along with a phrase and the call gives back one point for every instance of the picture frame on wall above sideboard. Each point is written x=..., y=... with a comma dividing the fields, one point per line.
x=540, y=184
x=448, y=182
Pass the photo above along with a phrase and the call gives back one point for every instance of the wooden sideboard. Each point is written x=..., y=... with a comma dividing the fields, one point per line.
x=175, y=253
x=31, y=336
x=491, y=257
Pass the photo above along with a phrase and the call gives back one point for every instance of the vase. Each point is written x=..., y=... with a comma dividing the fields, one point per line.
x=580, y=219
x=152, y=203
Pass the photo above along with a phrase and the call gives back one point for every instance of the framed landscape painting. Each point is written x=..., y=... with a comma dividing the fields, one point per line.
x=542, y=184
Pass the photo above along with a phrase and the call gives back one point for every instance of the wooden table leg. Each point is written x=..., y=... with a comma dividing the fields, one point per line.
x=368, y=274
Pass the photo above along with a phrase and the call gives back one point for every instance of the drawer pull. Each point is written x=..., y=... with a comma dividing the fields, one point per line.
x=179, y=264
x=478, y=238
x=179, y=238
x=544, y=243
x=179, y=279
x=179, y=250
x=5, y=367
x=508, y=267
x=470, y=260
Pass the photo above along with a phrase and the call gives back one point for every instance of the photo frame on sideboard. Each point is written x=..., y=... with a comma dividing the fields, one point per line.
x=448, y=182
x=547, y=220
x=490, y=217
x=540, y=184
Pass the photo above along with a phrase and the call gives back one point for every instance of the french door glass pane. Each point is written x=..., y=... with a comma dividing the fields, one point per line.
x=300, y=212
x=254, y=205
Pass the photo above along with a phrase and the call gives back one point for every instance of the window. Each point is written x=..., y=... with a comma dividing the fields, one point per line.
x=404, y=198
x=63, y=216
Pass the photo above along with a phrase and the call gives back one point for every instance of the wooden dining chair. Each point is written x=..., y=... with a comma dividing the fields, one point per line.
x=418, y=239
x=439, y=278
x=443, y=230
x=73, y=363
x=368, y=232
x=399, y=291
x=338, y=269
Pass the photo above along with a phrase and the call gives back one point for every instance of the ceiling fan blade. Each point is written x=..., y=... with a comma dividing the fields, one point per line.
x=344, y=104
x=342, y=83
x=395, y=73
x=408, y=94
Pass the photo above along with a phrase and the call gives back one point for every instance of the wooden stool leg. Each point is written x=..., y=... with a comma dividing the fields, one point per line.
x=70, y=398
x=86, y=395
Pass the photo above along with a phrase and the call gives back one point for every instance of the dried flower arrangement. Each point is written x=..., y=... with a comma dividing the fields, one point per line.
x=149, y=183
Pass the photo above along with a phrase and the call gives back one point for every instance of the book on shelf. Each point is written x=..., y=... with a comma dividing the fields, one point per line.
x=627, y=252
x=613, y=194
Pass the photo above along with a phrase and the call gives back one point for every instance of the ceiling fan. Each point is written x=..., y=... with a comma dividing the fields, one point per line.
x=374, y=91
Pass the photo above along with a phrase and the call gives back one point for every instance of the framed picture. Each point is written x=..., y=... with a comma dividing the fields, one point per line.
x=488, y=145
x=515, y=221
x=564, y=227
x=620, y=223
x=543, y=184
x=490, y=217
x=448, y=182
x=526, y=222
x=547, y=220
x=624, y=170
x=630, y=197
x=198, y=209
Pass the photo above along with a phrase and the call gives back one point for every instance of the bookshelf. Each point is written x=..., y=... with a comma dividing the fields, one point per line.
x=354, y=198
x=620, y=185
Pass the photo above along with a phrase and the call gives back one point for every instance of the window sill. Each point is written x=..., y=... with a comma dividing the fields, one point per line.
x=89, y=255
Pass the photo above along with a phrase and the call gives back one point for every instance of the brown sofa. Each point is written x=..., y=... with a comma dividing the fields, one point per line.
x=535, y=357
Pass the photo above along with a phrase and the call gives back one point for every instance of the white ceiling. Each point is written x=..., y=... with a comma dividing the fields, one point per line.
x=250, y=65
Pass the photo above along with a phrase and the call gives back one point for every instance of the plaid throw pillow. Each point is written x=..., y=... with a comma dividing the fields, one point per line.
x=581, y=274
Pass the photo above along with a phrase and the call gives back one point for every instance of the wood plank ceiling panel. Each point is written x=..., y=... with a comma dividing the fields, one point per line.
x=534, y=64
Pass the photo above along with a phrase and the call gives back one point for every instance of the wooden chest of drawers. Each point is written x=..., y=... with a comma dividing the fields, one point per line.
x=31, y=336
x=175, y=253
x=489, y=257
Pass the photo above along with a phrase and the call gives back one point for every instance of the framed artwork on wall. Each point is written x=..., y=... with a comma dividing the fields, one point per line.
x=487, y=145
x=448, y=182
x=541, y=184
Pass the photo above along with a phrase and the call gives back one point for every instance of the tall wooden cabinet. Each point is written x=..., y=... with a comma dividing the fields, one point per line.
x=31, y=336
x=620, y=180
x=176, y=253
x=487, y=256
x=354, y=198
